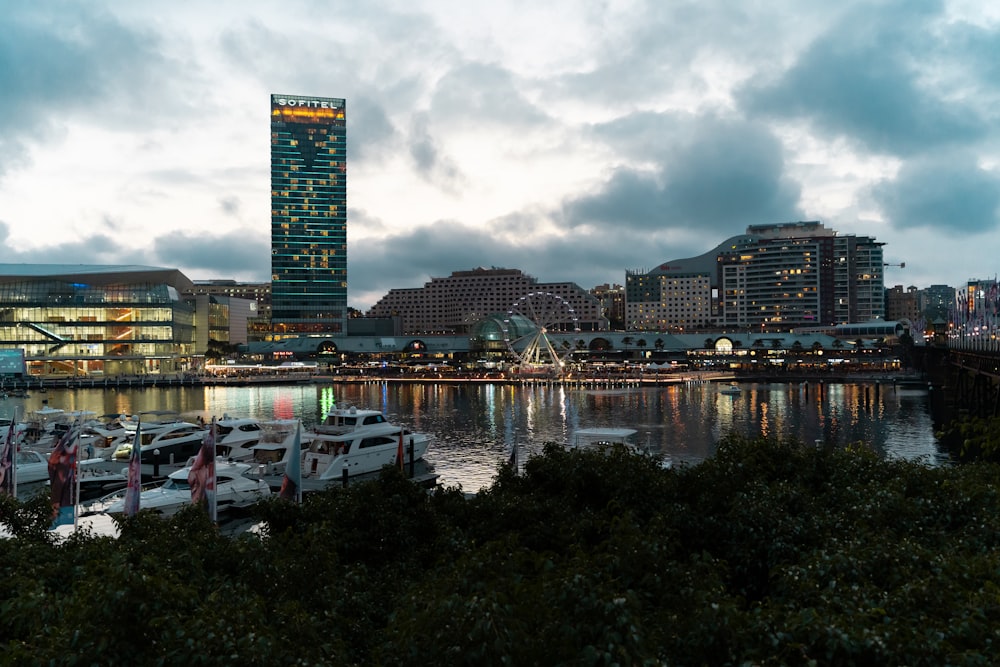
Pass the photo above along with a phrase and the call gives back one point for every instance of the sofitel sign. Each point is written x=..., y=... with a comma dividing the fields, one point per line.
x=311, y=104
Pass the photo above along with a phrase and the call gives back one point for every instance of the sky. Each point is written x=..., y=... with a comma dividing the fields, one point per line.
x=572, y=139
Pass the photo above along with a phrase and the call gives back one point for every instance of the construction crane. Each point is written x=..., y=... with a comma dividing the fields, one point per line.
x=901, y=265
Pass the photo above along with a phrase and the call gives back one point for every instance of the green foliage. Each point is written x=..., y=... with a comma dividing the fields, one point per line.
x=770, y=553
x=973, y=438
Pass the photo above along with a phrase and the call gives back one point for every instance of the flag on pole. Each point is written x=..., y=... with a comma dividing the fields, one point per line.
x=62, y=479
x=291, y=483
x=399, y=451
x=134, y=488
x=8, y=462
x=201, y=478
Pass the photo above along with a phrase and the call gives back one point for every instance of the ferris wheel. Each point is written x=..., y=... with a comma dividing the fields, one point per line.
x=527, y=327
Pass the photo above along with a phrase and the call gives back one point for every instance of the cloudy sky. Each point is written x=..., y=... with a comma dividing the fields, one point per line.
x=572, y=139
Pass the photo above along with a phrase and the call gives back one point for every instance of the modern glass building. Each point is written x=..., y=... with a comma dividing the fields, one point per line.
x=89, y=320
x=308, y=216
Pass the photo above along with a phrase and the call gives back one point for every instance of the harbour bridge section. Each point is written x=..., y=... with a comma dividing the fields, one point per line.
x=964, y=379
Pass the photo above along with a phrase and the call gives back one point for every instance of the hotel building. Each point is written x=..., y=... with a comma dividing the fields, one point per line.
x=456, y=303
x=773, y=278
x=308, y=216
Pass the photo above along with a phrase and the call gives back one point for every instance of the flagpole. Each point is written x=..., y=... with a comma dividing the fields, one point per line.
x=16, y=450
x=76, y=477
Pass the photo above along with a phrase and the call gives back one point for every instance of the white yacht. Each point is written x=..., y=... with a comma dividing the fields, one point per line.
x=234, y=488
x=605, y=437
x=236, y=436
x=348, y=420
x=276, y=446
x=174, y=441
x=100, y=437
x=361, y=451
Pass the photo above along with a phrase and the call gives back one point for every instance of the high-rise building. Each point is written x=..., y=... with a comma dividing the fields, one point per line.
x=308, y=216
x=774, y=278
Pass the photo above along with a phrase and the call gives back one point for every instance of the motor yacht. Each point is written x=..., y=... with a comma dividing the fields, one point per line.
x=362, y=451
x=339, y=420
x=236, y=436
x=99, y=438
x=169, y=442
x=234, y=488
x=605, y=437
x=276, y=446
x=42, y=428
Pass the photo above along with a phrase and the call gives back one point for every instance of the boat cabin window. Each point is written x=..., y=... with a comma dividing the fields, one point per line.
x=177, y=484
x=267, y=455
x=376, y=441
x=327, y=447
x=181, y=433
x=374, y=419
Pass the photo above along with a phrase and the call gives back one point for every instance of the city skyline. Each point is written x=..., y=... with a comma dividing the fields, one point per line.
x=635, y=134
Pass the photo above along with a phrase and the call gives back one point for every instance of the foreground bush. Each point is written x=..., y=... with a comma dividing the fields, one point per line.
x=769, y=553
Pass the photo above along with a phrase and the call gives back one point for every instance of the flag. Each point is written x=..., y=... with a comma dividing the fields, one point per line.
x=134, y=474
x=62, y=479
x=201, y=477
x=399, y=451
x=8, y=463
x=291, y=483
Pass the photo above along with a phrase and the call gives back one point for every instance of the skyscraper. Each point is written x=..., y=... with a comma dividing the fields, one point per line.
x=308, y=216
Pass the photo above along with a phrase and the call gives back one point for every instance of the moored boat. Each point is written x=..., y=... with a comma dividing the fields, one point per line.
x=361, y=451
x=605, y=437
x=234, y=488
x=169, y=441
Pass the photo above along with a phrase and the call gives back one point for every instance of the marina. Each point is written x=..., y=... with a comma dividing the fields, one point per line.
x=474, y=427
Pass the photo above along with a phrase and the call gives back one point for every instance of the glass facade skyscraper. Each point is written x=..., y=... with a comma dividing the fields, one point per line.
x=308, y=216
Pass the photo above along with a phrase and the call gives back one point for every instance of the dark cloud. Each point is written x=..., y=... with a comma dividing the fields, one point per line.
x=240, y=254
x=868, y=80
x=430, y=163
x=475, y=95
x=230, y=205
x=93, y=249
x=372, y=133
x=726, y=174
x=949, y=194
x=410, y=260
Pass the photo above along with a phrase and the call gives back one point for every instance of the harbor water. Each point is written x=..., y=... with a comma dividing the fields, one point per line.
x=474, y=426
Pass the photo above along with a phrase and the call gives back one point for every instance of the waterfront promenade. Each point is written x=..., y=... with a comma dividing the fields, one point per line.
x=11, y=387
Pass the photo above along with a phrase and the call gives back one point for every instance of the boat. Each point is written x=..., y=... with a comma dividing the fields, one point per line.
x=94, y=480
x=100, y=437
x=32, y=468
x=731, y=389
x=361, y=451
x=349, y=419
x=236, y=436
x=166, y=441
x=276, y=446
x=234, y=489
x=42, y=428
x=605, y=437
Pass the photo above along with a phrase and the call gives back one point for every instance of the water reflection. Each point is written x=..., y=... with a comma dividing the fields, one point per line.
x=475, y=426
